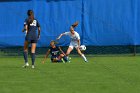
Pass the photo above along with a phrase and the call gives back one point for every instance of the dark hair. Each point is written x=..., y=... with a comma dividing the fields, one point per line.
x=30, y=12
x=54, y=42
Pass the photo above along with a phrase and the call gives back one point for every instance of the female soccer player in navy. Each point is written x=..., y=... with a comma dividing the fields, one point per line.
x=57, y=55
x=30, y=26
x=75, y=41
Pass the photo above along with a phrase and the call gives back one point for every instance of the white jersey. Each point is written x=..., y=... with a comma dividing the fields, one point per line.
x=74, y=39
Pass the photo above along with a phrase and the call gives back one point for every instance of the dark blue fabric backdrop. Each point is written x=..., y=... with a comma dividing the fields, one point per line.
x=102, y=22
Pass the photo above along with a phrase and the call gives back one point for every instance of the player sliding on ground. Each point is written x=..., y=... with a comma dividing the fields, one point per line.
x=57, y=55
x=75, y=41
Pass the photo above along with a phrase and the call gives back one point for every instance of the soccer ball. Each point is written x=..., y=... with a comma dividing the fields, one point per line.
x=82, y=47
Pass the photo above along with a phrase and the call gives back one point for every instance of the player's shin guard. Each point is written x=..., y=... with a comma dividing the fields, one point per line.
x=85, y=59
x=33, y=58
x=25, y=56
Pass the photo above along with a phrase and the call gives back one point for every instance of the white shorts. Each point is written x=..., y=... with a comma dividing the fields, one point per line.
x=73, y=45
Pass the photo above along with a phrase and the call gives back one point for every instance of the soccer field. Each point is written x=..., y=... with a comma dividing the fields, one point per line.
x=100, y=75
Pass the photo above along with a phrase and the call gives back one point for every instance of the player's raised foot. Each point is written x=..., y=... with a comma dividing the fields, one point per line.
x=26, y=65
x=86, y=60
x=33, y=66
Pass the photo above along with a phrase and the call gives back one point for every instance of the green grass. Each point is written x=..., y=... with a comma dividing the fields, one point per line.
x=101, y=75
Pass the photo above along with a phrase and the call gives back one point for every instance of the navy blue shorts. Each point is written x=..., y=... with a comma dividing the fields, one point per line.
x=31, y=40
x=52, y=58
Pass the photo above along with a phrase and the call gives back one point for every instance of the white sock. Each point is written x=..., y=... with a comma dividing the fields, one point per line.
x=83, y=56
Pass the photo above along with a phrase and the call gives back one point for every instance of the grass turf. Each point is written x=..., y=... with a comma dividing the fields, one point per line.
x=100, y=75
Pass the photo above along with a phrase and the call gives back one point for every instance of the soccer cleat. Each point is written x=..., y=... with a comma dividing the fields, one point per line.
x=86, y=60
x=33, y=66
x=68, y=59
x=26, y=65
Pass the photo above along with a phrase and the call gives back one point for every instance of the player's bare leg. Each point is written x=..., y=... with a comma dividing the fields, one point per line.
x=81, y=54
x=68, y=52
x=33, y=48
x=63, y=58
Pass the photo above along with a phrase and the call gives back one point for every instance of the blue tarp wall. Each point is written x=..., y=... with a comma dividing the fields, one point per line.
x=101, y=22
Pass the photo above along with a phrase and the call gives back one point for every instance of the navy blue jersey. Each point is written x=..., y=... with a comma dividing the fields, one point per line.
x=55, y=51
x=32, y=29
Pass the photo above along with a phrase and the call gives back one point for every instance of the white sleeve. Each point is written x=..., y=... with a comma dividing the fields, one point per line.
x=78, y=36
x=67, y=33
x=25, y=22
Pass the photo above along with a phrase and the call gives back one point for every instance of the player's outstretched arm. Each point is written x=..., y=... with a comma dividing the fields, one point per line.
x=47, y=54
x=60, y=36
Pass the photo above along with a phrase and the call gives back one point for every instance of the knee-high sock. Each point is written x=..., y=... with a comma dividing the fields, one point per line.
x=65, y=58
x=33, y=58
x=25, y=54
x=83, y=56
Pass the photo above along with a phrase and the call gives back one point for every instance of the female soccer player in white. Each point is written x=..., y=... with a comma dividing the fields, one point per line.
x=75, y=41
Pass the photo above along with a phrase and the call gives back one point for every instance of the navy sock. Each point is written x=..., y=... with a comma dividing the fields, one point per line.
x=65, y=58
x=33, y=58
x=25, y=54
x=59, y=60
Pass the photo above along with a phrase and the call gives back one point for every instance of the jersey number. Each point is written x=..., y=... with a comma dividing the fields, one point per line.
x=55, y=53
x=33, y=23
